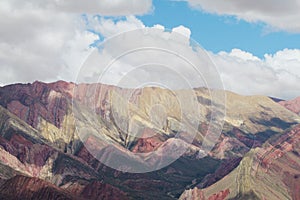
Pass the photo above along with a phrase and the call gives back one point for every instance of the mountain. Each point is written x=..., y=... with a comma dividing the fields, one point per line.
x=268, y=172
x=35, y=188
x=292, y=105
x=32, y=188
x=52, y=136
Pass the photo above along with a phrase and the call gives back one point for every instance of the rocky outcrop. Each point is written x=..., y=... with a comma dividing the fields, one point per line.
x=197, y=194
x=145, y=145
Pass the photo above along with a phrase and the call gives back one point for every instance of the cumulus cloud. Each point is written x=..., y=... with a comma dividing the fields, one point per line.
x=109, y=27
x=275, y=75
x=48, y=40
x=152, y=54
x=279, y=15
x=183, y=30
x=102, y=7
x=39, y=43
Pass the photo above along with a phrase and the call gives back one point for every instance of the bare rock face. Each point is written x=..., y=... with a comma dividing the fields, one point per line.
x=22, y=187
x=147, y=144
x=280, y=161
x=264, y=173
x=101, y=191
x=31, y=101
x=39, y=140
x=31, y=157
x=23, y=154
x=45, y=107
x=292, y=105
x=48, y=108
x=20, y=146
x=197, y=194
x=193, y=194
x=220, y=196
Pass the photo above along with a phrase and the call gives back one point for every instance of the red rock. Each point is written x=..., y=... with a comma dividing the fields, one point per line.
x=31, y=101
x=193, y=194
x=100, y=191
x=21, y=187
x=293, y=183
x=280, y=159
x=149, y=144
x=292, y=105
x=197, y=194
x=219, y=196
x=33, y=156
x=18, y=109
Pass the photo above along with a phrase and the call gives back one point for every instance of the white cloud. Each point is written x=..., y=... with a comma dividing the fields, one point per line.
x=241, y=55
x=48, y=40
x=276, y=75
x=108, y=27
x=39, y=43
x=278, y=14
x=151, y=53
x=183, y=30
x=101, y=7
x=34, y=42
x=286, y=60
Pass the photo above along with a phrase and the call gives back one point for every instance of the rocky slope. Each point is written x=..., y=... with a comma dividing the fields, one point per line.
x=292, y=105
x=39, y=138
x=21, y=187
x=268, y=172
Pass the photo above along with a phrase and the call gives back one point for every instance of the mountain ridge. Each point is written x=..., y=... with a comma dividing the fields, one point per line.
x=45, y=110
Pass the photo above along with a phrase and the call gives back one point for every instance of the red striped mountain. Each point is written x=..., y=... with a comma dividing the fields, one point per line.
x=38, y=138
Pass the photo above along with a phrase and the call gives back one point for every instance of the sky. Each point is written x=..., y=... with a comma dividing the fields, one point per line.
x=255, y=45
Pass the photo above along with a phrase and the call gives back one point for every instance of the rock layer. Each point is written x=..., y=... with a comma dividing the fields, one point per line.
x=38, y=139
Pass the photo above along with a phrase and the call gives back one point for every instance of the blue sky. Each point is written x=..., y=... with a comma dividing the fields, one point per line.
x=220, y=33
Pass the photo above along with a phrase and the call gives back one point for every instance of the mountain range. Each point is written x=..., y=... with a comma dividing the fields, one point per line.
x=64, y=140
